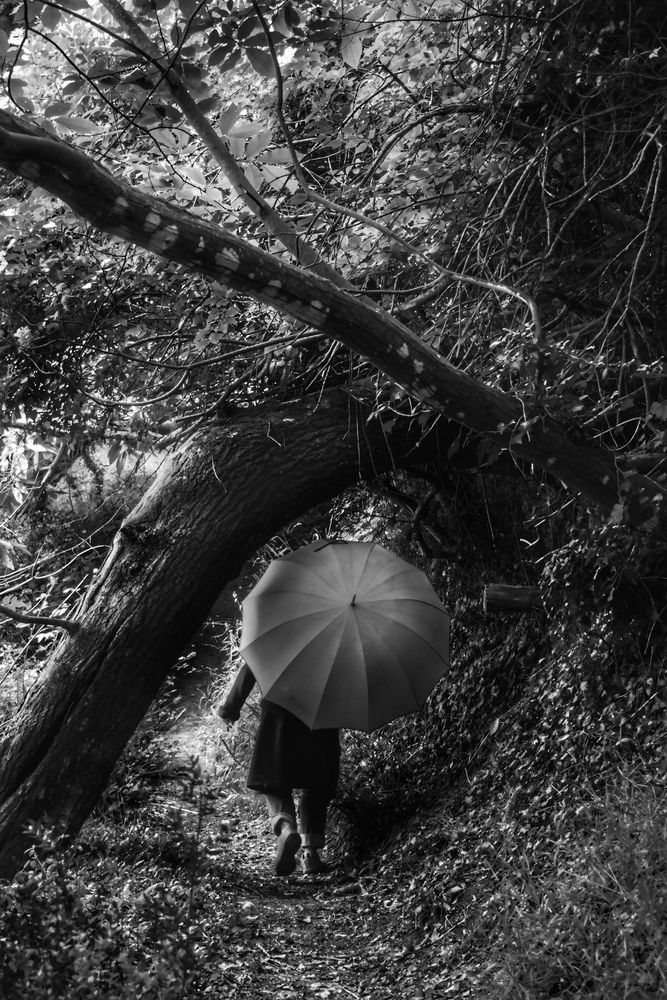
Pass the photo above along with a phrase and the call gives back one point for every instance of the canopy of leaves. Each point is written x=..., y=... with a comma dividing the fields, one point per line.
x=522, y=148
x=519, y=146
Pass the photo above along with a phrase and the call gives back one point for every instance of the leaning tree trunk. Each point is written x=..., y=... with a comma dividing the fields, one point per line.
x=219, y=498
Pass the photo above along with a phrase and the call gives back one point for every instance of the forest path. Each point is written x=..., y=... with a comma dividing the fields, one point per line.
x=349, y=933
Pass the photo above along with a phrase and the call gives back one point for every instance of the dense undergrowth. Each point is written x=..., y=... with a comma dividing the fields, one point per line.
x=525, y=808
x=587, y=917
x=517, y=824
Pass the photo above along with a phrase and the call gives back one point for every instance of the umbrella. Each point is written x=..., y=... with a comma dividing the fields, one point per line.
x=345, y=635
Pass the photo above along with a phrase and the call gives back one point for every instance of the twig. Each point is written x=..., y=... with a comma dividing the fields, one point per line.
x=18, y=616
x=230, y=751
x=365, y=220
x=258, y=346
x=282, y=229
x=113, y=403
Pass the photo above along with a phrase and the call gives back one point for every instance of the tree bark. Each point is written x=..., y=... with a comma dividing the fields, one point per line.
x=116, y=208
x=213, y=504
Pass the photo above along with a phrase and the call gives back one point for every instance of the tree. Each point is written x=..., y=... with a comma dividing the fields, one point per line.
x=219, y=498
x=531, y=388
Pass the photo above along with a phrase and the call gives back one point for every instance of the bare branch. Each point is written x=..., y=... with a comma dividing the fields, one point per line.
x=18, y=616
x=379, y=227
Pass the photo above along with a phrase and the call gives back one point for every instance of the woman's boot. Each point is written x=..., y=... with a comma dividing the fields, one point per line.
x=312, y=863
x=289, y=843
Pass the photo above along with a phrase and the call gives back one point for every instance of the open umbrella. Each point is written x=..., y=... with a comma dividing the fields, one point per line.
x=345, y=635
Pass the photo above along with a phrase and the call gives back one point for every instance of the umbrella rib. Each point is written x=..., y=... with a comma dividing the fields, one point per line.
x=380, y=638
x=369, y=608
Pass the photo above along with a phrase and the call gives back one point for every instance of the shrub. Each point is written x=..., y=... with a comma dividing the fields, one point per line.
x=62, y=935
x=586, y=916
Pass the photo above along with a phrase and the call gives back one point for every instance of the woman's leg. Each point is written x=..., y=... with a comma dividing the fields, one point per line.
x=313, y=807
x=282, y=816
x=280, y=805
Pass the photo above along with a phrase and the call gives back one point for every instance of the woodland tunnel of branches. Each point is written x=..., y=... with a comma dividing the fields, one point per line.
x=289, y=249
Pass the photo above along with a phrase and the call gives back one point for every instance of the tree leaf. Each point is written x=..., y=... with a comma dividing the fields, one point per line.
x=258, y=40
x=72, y=86
x=18, y=89
x=78, y=125
x=324, y=30
x=56, y=108
x=208, y=104
x=188, y=7
x=230, y=61
x=280, y=155
x=351, y=48
x=411, y=11
x=261, y=62
x=248, y=27
x=194, y=175
x=292, y=15
x=258, y=143
x=227, y=118
x=218, y=55
x=50, y=17
x=254, y=175
x=359, y=13
x=280, y=25
x=245, y=130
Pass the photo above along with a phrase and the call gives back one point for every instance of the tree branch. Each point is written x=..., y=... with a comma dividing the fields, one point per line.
x=18, y=616
x=365, y=220
x=114, y=207
x=276, y=225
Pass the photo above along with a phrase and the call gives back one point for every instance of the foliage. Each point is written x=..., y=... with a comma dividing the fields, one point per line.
x=521, y=146
x=519, y=819
x=65, y=936
x=528, y=703
x=520, y=150
x=585, y=917
x=117, y=914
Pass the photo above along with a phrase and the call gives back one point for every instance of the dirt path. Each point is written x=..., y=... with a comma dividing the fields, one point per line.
x=349, y=933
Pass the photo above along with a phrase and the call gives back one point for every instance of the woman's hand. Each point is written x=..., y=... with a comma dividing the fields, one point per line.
x=228, y=713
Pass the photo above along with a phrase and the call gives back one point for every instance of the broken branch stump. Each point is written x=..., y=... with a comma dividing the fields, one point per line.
x=507, y=597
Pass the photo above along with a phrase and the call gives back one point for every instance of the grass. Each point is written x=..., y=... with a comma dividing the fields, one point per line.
x=586, y=916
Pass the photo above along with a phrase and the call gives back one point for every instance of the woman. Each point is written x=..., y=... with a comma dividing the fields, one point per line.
x=289, y=756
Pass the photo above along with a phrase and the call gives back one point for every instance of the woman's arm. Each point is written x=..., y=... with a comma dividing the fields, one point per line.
x=243, y=684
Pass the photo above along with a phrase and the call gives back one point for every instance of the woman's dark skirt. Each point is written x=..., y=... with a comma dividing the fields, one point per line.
x=288, y=754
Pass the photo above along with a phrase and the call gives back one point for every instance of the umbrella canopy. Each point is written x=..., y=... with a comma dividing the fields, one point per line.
x=345, y=635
